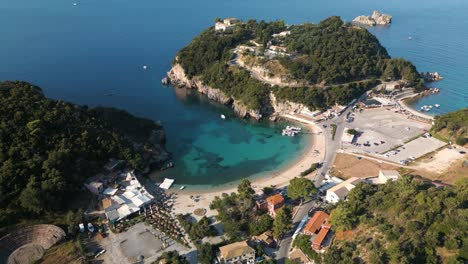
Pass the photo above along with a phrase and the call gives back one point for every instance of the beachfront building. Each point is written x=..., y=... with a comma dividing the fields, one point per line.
x=236, y=253
x=274, y=203
x=226, y=24
x=341, y=190
x=128, y=198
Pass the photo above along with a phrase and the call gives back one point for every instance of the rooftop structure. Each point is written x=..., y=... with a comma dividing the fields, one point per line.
x=128, y=199
x=388, y=175
x=274, y=202
x=226, y=24
x=239, y=252
x=317, y=221
x=317, y=243
x=95, y=187
x=341, y=190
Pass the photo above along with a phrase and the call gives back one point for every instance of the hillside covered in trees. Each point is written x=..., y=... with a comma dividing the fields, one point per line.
x=406, y=221
x=453, y=126
x=49, y=147
x=335, y=61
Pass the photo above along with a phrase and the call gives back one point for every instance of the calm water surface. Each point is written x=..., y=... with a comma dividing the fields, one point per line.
x=81, y=53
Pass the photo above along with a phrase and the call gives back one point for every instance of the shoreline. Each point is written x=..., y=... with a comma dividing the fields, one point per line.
x=404, y=105
x=184, y=203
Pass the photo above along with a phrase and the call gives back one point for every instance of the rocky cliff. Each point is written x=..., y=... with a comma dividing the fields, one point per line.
x=286, y=107
x=376, y=19
x=177, y=77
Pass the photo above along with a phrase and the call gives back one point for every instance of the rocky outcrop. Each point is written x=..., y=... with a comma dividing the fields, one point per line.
x=376, y=19
x=177, y=77
x=431, y=76
x=286, y=107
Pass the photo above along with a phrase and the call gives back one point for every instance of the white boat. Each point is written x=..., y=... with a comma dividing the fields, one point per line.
x=223, y=117
x=75, y=4
x=182, y=187
x=437, y=105
x=145, y=67
x=90, y=227
x=410, y=38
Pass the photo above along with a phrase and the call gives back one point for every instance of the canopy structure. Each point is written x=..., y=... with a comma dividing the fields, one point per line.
x=167, y=183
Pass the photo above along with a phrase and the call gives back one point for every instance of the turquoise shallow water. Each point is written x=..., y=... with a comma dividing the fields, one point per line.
x=81, y=53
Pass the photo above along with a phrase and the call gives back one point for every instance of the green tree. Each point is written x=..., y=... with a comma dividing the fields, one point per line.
x=206, y=254
x=172, y=257
x=300, y=188
x=282, y=222
x=245, y=188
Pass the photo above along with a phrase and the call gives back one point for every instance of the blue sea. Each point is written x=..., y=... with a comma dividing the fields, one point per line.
x=93, y=52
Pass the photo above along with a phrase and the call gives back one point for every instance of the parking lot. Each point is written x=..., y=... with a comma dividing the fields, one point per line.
x=381, y=130
x=414, y=149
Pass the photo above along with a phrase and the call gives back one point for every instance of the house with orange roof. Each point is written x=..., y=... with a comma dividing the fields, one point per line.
x=316, y=223
x=318, y=227
x=274, y=203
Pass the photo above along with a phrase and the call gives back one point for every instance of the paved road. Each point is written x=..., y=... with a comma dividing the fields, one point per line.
x=282, y=252
x=332, y=146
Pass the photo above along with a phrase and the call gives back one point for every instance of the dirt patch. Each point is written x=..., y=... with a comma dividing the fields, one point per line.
x=344, y=235
x=451, y=175
x=347, y=166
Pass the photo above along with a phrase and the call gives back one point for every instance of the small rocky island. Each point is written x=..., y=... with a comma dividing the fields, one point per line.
x=376, y=19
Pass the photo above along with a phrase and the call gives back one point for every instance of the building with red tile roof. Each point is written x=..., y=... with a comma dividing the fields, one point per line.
x=274, y=202
x=319, y=219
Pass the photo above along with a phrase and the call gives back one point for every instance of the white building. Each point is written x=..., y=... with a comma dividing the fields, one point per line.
x=388, y=175
x=226, y=24
x=341, y=190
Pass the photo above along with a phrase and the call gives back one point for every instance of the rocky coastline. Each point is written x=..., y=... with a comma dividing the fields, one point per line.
x=375, y=19
x=177, y=77
x=431, y=76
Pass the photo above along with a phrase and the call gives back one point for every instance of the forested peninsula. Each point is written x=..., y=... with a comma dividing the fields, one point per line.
x=48, y=148
x=255, y=66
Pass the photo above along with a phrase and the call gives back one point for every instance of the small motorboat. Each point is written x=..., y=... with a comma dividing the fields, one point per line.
x=223, y=117
x=410, y=38
x=75, y=4
x=90, y=227
x=145, y=67
x=437, y=105
x=182, y=187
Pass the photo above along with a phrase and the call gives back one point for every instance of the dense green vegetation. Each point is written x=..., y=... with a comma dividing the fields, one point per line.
x=406, y=221
x=304, y=243
x=453, y=126
x=197, y=230
x=49, y=147
x=239, y=214
x=312, y=168
x=337, y=52
x=319, y=98
x=172, y=257
x=330, y=52
x=282, y=222
x=301, y=188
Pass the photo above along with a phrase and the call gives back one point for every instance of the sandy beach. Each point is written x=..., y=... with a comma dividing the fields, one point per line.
x=185, y=201
x=403, y=104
